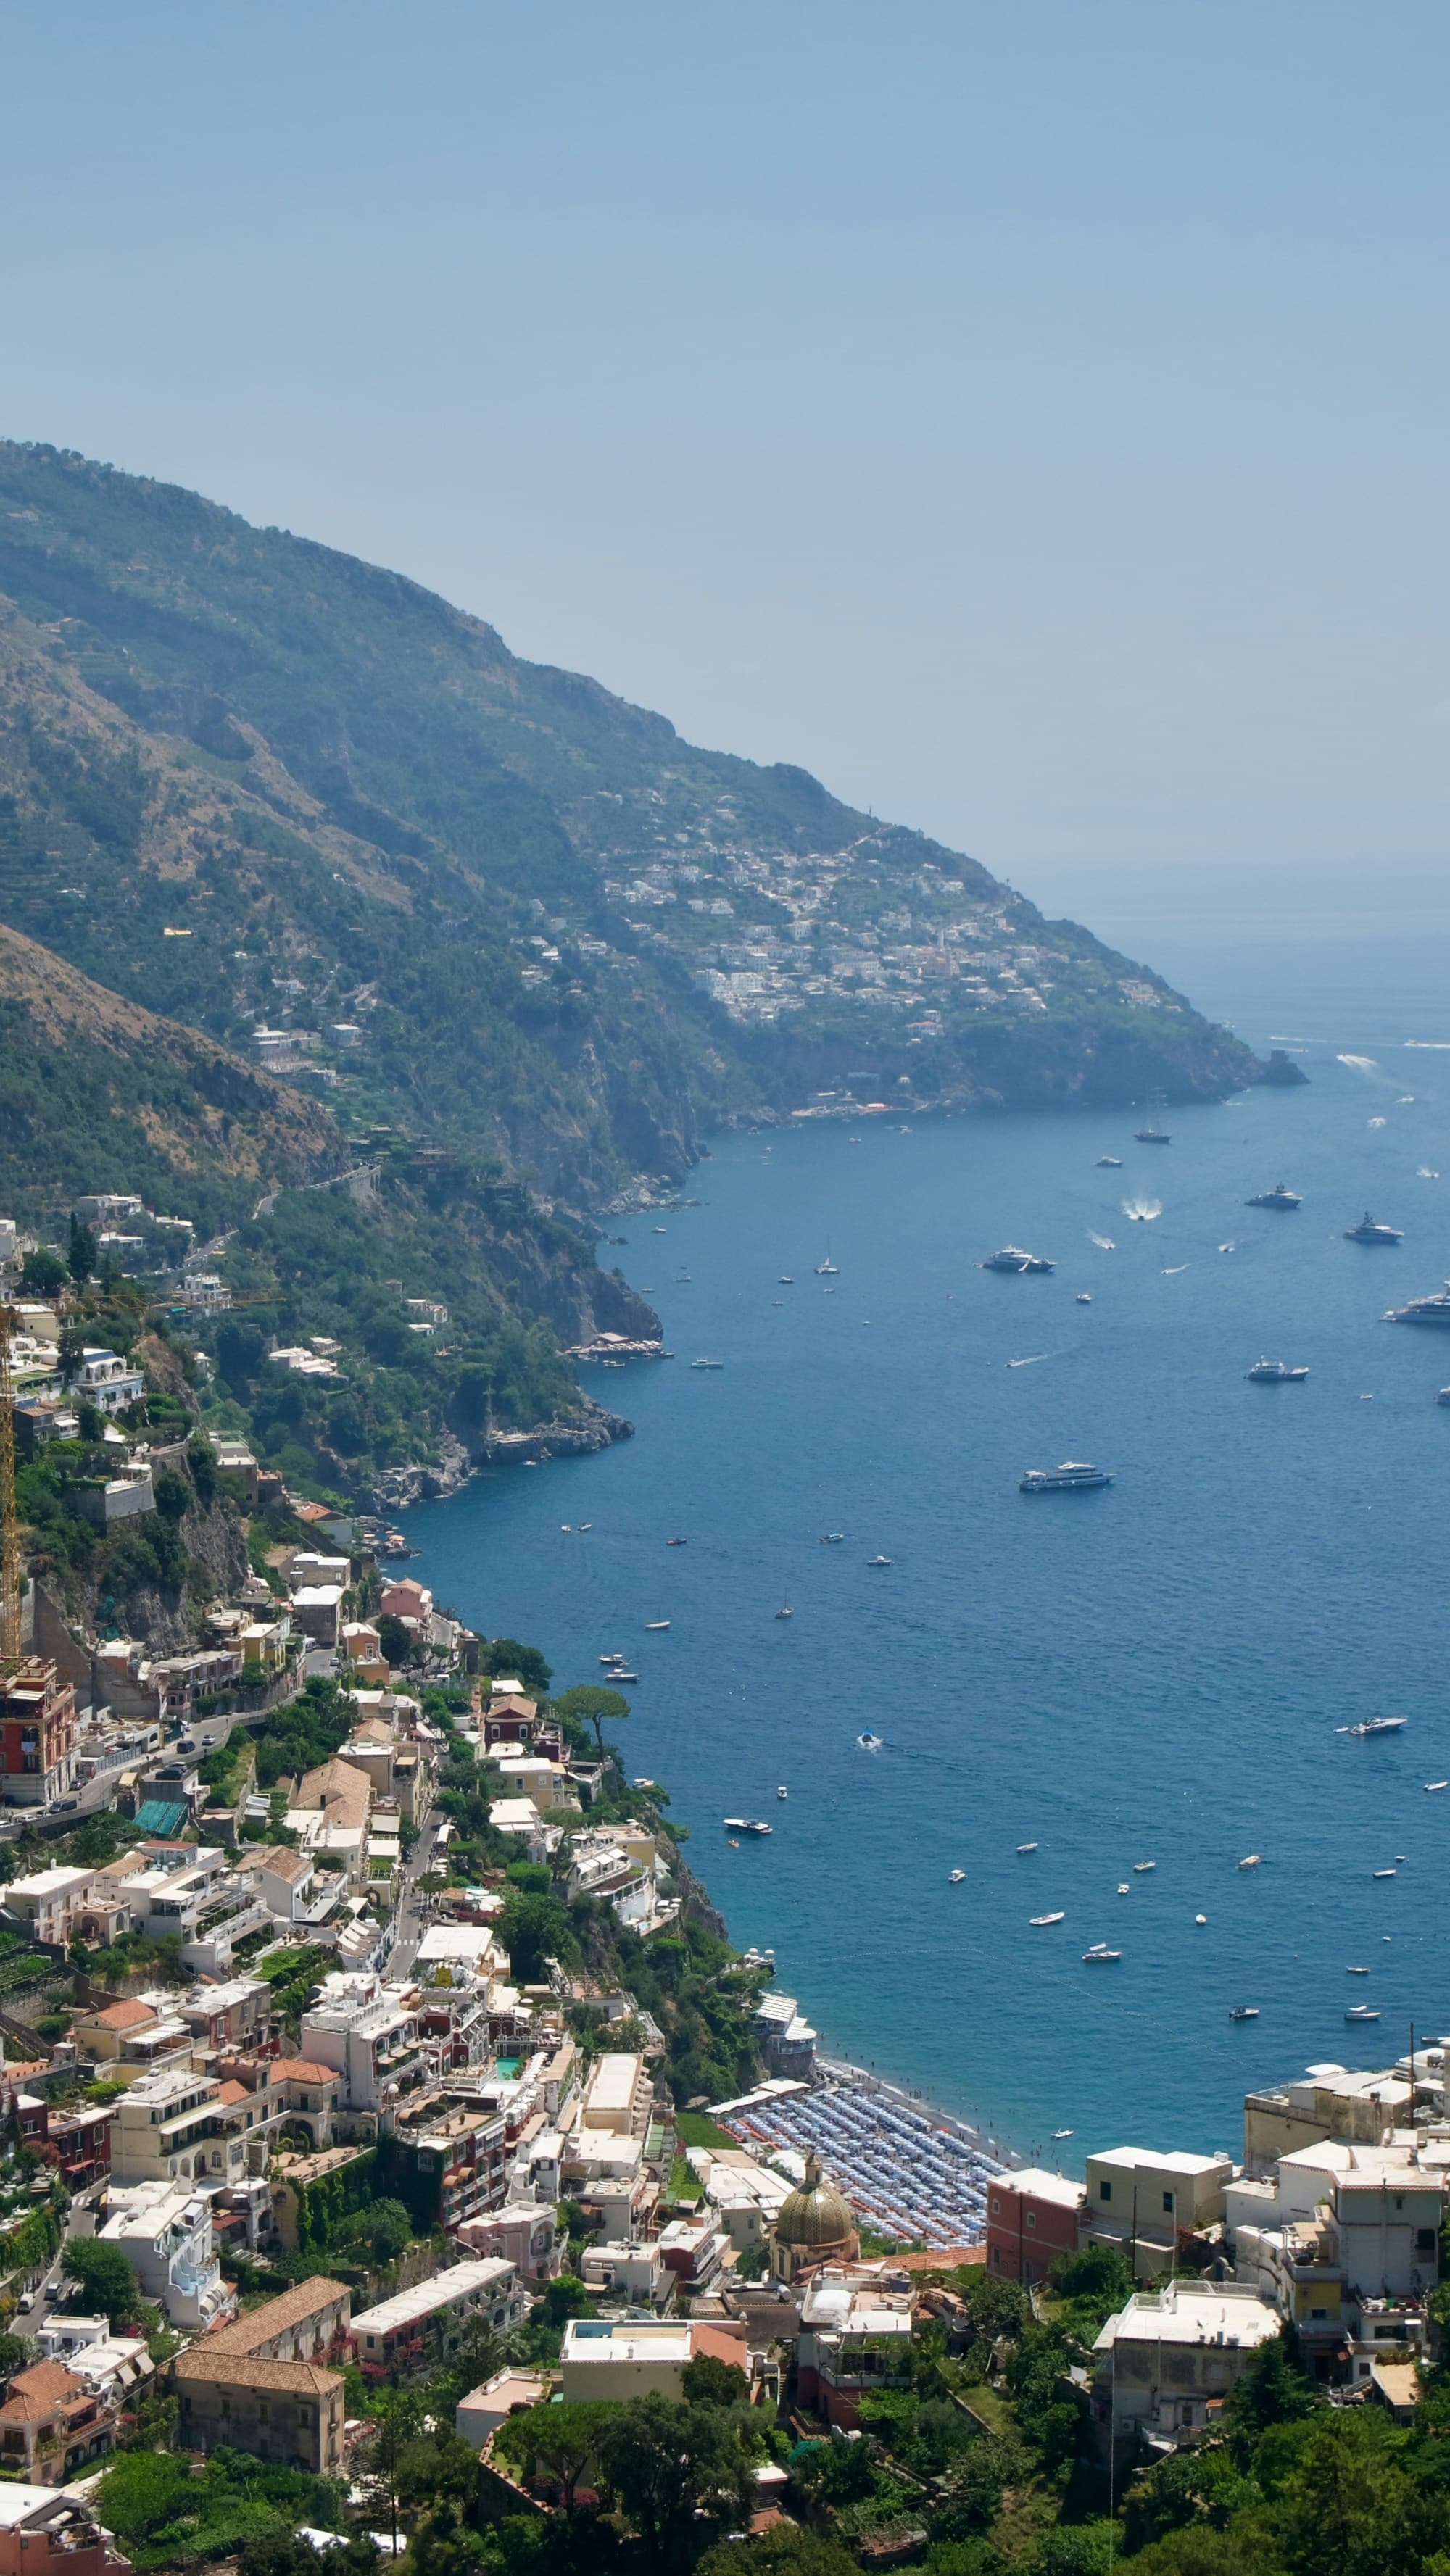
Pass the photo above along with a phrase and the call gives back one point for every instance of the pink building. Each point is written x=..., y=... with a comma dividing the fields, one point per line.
x=1032, y=2217
x=525, y=2233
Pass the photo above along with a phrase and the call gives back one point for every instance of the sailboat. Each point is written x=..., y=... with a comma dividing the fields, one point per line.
x=785, y=1611
x=1153, y=1132
x=827, y=1269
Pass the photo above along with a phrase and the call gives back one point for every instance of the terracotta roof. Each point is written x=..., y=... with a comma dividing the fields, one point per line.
x=302, y=2070
x=37, y=2392
x=125, y=2017
x=719, y=2344
x=232, y=2091
x=371, y=1731
x=281, y=1861
x=294, y=2307
x=238, y=2370
x=337, y=1784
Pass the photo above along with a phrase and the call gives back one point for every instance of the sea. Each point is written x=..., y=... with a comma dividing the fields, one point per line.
x=1160, y=1672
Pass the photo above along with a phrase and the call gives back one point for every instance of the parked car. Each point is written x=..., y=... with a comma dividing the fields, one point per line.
x=172, y=1771
x=63, y=1806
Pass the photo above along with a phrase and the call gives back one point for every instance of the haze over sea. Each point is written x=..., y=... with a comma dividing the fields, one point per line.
x=1155, y=1672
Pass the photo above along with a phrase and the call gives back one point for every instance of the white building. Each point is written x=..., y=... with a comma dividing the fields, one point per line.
x=1165, y=2363
x=107, y=1381
x=165, y=2234
x=1144, y=2201
x=369, y=2034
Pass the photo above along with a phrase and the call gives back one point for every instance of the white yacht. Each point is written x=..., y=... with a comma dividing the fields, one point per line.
x=1369, y=1230
x=1072, y=1477
x=1377, y=1726
x=1275, y=1373
x=1100, y=1955
x=1277, y=1197
x=1038, y=1920
x=1012, y=1257
x=955, y=1877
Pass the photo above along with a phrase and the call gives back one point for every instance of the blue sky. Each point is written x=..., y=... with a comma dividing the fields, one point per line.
x=1030, y=417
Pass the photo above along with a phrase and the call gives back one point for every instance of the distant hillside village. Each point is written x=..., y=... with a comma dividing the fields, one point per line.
x=397, y=2160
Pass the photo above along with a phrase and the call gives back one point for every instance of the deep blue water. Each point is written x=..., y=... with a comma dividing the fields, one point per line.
x=1155, y=1672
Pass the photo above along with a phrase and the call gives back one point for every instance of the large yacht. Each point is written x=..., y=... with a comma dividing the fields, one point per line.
x=1070, y=1478
x=1377, y=1726
x=1277, y=1197
x=1274, y=1372
x=1012, y=1257
x=1434, y=1309
x=1369, y=1231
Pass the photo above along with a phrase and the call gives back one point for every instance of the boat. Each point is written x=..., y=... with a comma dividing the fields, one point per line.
x=746, y=1825
x=1434, y=1309
x=1432, y=1785
x=827, y=1269
x=955, y=1877
x=1356, y=1972
x=677, y=1542
x=785, y=1611
x=1107, y=1163
x=655, y=1627
x=1369, y=1230
x=1082, y=1298
x=568, y=1528
x=1252, y=1860
x=620, y=1675
x=1153, y=1134
x=1026, y=1847
x=1141, y=1867
x=1275, y=1373
x=1200, y=1918
x=586, y=1525
x=785, y=1282
x=1243, y=2012
x=782, y=1791
x=1444, y=1395
x=1277, y=1197
x=1360, y=2012
x=1099, y=1955
x=1384, y=1873
x=1377, y=1726
x=734, y=1845
x=1072, y=1477
x=870, y=1743
x=1123, y=1888
x=707, y=1364
x=1038, y=1920
x=1013, y=1258
x=833, y=1538
x=878, y=1560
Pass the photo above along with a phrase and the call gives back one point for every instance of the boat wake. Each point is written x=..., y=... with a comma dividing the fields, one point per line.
x=1228, y=1247
x=1142, y=1211
x=1174, y=1271
x=1104, y=1242
x=1424, y=1173
x=1031, y=1359
x=1358, y=1063
x=1430, y=1046
x=1378, y=1122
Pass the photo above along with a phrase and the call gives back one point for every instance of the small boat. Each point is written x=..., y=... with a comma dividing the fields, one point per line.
x=1106, y=1163
x=1243, y=2012
x=1376, y=1726
x=1038, y=1920
x=1384, y=1873
x=785, y=1282
x=1275, y=1373
x=1072, y=1477
x=585, y=1525
x=655, y=1627
x=734, y=1845
x=1064, y=2133
x=1026, y=1847
x=782, y=1791
x=677, y=1542
x=611, y=1659
x=870, y=1743
x=827, y=1269
x=1356, y=1972
x=746, y=1825
x=1123, y=1888
x=620, y=1675
x=568, y=1528
x=1252, y=1860
x=707, y=1364
x=1278, y=1197
x=1200, y=1918
x=1152, y=1133
x=878, y=1560
x=1432, y=1785
x=955, y=1877
x=1360, y=2012
x=832, y=1538
x=785, y=1611
x=1100, y=1955
x=1141, y=1867
x=1082, y=1298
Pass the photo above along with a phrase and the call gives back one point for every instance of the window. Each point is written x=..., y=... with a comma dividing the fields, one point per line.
x=1105, y=2191
x=1032, y=2218
x=1424, y=2240
x=1168, y=2204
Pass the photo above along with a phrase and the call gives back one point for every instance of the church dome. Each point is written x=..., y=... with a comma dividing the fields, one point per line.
x=815, y=2216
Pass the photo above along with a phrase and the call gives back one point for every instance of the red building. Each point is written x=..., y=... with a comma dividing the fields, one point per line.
x=37, y=1732
x=1032, y=2217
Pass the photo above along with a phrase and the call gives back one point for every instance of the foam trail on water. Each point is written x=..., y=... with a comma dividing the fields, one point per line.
x=1104, y=1242
x=1358, y=1063
x=1142, y=1211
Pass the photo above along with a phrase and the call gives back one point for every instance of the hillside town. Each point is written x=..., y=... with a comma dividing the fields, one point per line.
x=390, y=2132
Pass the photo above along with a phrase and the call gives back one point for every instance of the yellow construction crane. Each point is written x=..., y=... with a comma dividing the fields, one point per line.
x=9, y=1516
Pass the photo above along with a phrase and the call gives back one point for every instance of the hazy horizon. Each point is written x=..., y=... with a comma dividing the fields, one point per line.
x=1032, y=425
